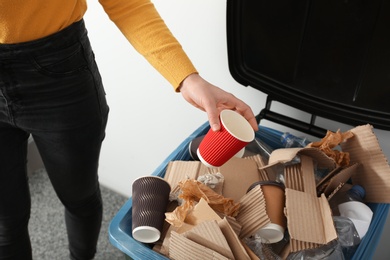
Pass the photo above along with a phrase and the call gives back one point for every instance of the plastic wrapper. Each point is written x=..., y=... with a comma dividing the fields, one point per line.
x=191, y=191
x=330, y=251
x=214, y=181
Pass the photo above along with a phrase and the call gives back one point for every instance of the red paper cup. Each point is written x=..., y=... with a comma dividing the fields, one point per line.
x=218, y=147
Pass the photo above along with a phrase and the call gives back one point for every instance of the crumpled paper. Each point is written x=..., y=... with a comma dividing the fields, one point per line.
x=331, y=141
x=191, y=192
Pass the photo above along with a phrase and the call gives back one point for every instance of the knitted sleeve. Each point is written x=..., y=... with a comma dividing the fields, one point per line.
x=141, y=24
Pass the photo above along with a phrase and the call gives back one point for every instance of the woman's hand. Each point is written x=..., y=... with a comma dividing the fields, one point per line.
x=213, y=100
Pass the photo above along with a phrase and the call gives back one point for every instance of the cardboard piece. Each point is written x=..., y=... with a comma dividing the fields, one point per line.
x=236, y=170
x=182, y=170
x=286, y=155
x=233, y=240
x=340, y=178
x=252, y=215
x=202, y=212
x=260, y=164
x=239, y=174
x=374, y=173
x=234, y=224
x=184, y=248
x=309, y=218
x=209, y=234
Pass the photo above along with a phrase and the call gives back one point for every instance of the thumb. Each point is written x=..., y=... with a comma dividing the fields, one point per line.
x=213, y=116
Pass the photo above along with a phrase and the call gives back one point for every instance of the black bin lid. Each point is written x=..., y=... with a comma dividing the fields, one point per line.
x=330, y=58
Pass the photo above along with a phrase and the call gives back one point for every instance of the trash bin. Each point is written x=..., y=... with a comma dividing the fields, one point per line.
x=120, y=226
x=325, y=58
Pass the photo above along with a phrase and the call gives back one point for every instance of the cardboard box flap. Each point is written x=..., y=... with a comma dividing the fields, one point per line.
x=233, y=240
x=296, y=245
x=182, y=247
x=286, y=155
x=327, y=219
x=340, y=178
x=300, y=177
x=260, y=164
x=307, y=169
x=209, y=234
x=234, y=224
x=309, y=218
x=238, y=171
x=374, y=173
x=178, y=171
x=181, y=170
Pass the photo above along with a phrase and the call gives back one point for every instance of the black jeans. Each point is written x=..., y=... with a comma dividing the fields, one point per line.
x=51, y=88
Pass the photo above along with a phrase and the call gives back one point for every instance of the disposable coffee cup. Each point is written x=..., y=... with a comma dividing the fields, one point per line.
x=194, y=145
x=218, y=147
x=274, y=205
x=150, y=197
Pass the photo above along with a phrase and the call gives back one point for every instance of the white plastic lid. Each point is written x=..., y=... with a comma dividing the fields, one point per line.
x=271, y=233
x=146, y=234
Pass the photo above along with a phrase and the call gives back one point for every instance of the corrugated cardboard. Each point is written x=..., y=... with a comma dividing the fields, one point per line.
x=178, y=171
x=260, y=164
x=234, y=224
x=239, y=174
x=202, y=212
x=309, y=218
x=209, y=234
x=374, y=173
x=200, y=227
x=244, y=171
x=181, y=170
x=286, y=155
x=341, y=177
x=233, y=240
x=182, y=248
x=252, y=215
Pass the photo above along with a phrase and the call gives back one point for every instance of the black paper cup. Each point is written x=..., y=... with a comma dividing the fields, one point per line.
x=150, y=196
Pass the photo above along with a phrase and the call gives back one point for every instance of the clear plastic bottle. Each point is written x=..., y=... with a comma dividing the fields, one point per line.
x=356, y=193
x=347, y=236
x=291, y=141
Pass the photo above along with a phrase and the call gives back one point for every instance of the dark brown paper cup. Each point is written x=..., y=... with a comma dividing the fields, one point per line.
x=150, y=197
x=274, y=204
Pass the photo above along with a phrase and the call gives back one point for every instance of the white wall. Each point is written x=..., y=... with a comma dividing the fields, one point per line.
x=147, y=119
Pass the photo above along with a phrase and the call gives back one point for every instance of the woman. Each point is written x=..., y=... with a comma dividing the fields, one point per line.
x=50, y=87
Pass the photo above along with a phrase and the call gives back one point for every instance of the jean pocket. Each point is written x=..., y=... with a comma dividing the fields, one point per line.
x=63, y=61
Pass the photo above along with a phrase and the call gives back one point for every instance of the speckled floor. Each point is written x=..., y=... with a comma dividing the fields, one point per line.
x=47, y=225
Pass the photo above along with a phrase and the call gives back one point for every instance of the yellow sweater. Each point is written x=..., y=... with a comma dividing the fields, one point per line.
x=26, y=20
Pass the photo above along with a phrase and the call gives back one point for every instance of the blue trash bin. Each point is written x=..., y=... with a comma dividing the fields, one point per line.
x=120, y=226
